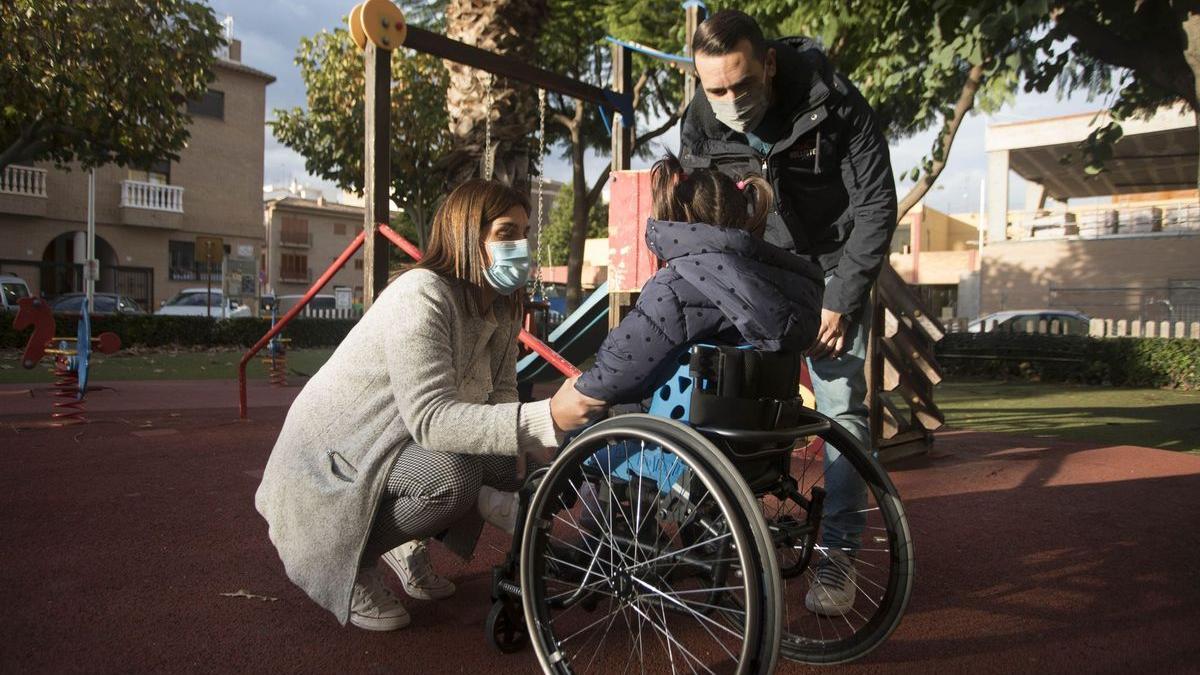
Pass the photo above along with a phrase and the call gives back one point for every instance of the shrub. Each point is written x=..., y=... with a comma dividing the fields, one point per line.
x=186, y=331
x=1122, y=362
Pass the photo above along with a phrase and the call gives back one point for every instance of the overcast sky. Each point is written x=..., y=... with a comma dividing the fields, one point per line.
x=270, y=30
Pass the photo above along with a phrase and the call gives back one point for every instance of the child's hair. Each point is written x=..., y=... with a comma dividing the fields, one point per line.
x=709, y=196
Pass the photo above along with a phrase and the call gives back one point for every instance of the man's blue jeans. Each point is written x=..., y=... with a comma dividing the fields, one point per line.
x=840, y=386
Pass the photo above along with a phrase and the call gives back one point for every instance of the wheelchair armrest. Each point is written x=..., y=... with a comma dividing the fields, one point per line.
x=771, y=436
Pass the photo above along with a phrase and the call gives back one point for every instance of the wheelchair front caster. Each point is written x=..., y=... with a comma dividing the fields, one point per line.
x=505, y=628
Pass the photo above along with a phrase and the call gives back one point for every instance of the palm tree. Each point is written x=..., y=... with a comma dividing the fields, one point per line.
x=510, y=27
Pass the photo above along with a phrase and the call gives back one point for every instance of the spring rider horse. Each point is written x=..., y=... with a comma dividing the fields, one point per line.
x=72, y=355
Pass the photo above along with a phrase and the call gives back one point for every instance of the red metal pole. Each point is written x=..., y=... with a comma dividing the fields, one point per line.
x=316, y=287
x=552, y=357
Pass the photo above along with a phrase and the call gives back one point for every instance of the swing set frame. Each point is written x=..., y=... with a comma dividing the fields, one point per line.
x=377, y=235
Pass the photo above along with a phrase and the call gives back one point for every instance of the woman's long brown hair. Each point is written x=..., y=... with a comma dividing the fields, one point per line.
x=709, y=196
x=455, y=247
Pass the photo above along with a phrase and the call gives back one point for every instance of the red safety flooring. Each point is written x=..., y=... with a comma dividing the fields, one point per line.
x=131, y=544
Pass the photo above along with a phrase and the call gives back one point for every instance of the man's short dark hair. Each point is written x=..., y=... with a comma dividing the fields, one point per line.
x=722, y=32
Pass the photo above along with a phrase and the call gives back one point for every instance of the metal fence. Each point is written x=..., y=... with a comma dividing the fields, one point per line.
x=1177, y=300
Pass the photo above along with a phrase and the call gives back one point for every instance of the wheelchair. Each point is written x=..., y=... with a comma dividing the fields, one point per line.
x=699, y=537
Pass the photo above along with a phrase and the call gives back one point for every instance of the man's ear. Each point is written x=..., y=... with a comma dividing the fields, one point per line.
x=769, y=62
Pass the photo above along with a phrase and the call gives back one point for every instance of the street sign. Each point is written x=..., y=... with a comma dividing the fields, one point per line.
x=210, y=250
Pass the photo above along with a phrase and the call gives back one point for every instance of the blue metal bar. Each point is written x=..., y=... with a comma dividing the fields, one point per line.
x=650, y=51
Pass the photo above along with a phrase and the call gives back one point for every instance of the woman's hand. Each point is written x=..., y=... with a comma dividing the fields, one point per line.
x=571, y=409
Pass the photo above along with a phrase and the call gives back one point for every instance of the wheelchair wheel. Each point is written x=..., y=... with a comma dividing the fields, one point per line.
x=633, y=553
x=826, y=549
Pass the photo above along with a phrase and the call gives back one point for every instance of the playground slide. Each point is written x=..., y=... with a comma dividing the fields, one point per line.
x=577, y=338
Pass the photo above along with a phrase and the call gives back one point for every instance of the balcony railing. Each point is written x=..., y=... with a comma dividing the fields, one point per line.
x=23, y=180
x=293, y=239
x=296, y=276
x=1091, y=221
x=139, y=195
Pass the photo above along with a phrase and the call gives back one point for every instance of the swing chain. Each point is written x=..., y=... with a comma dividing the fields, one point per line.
x=489, y=155
x=539, y=291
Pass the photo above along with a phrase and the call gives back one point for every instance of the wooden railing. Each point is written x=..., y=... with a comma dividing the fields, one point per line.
x=23, y=180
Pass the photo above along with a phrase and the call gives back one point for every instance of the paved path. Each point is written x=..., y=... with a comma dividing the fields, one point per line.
x=121, y=538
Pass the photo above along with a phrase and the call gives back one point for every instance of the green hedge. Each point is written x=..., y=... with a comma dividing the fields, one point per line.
x=1123, y=362
x=159, y=331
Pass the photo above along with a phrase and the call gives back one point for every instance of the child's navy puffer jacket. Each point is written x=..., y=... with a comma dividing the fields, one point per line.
x=720, y=285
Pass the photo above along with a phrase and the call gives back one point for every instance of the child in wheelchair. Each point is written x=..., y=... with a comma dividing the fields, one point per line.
x=643, y=515
x=720, y=283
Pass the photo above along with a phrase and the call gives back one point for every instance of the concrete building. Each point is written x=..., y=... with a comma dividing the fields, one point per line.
x=1122, y=244
x=147, y=219
x=935, y=253
x=303, y=236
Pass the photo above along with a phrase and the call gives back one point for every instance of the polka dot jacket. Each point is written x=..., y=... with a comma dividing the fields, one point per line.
x=719, y=285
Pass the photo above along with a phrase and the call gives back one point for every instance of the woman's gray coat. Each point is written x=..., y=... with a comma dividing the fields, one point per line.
x=419, y=365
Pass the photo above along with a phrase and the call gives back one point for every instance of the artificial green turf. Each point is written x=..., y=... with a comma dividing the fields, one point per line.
x=1156, y=418
x=165, y=365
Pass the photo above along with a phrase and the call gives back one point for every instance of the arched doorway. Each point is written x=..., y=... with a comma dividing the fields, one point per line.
x=62, y=264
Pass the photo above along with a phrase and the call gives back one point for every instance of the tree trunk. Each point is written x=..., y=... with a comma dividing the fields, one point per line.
x=1190, y=24
x=508, y=27
x=945, y=139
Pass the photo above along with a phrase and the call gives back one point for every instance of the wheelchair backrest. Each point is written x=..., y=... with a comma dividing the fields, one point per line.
x=731, y=387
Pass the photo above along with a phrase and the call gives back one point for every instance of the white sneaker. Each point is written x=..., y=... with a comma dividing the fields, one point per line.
x=373, y=606
x=833, y=588
x=498, y=508
x=410, y=562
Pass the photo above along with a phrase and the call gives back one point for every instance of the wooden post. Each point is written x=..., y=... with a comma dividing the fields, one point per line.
x=622, y=129
x=874, y=368
x=693, y=13
x=377, y=167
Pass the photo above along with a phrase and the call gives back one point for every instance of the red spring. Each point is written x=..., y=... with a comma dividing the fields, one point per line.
x=68, y=407
x=277, y=369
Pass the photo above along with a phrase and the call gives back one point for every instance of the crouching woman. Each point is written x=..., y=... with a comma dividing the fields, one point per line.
x=414, y=421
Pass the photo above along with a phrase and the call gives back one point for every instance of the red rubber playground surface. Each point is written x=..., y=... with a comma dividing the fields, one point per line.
x=131, y=544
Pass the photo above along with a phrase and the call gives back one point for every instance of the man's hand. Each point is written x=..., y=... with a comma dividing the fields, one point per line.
x=831, y=338
x=571, y=409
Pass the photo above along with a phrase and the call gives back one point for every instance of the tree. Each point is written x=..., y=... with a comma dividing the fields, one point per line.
x=103, y=81
x=329, y=133
x=1147, y=51
x=554, y=246
x=510, y=27
x=924, y=63
x=573, y=45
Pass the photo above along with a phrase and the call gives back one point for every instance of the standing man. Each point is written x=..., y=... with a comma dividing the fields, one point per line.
x=780, y=110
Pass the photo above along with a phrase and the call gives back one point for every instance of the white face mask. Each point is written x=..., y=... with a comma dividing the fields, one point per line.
x=745, y=112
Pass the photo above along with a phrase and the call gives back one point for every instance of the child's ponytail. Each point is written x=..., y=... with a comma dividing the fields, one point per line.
x=759, y=197
x=666, y=177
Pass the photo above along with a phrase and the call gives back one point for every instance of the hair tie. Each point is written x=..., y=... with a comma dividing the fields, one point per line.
x=741, y=185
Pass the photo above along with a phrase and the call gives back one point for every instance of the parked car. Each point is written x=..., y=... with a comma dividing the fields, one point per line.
x=102, y=304
x=195, y=302
x=12, y=289
x=321, y=301
x=1017, y=321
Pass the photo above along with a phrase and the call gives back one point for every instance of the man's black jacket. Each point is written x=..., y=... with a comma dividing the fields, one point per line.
x=835, y=195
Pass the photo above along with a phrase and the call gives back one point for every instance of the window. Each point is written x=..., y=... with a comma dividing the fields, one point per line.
x=181, y=263
x=293, y=267
x=210, y=104
x=158, y=173
x=358, y=263
x=293, y=230
x=339, y=228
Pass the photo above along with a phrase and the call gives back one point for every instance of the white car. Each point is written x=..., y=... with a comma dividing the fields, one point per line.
x=12, y=289
x=195, y=302
x=1017, y=321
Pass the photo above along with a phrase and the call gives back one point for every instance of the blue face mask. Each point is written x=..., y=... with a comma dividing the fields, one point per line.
x=509, y=270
